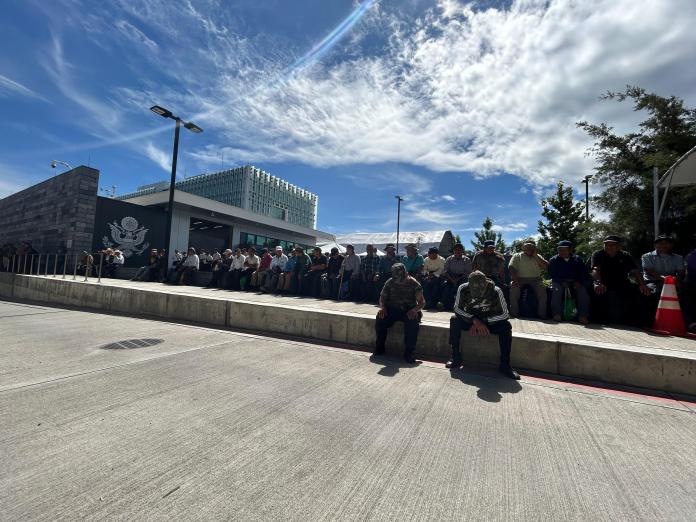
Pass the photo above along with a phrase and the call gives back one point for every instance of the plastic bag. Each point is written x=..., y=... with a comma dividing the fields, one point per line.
x=569, y=306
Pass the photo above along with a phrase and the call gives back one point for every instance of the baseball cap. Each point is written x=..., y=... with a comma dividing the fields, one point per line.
x=488, y=243
x=612, y=239
x=664, y=237
x=565, y=243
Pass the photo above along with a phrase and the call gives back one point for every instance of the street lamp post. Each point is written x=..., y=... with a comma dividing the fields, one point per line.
x=399, y=199
x=586, y=181
x=175, y=153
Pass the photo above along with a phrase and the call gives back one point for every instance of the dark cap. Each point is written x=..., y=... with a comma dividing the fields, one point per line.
x=664, y=237
x=488, y=243
x=412, y=245
x=565, y=243
x=612, y=239
x=433, y=250
x=334, y=250
x=390, y=245
x=458, y=245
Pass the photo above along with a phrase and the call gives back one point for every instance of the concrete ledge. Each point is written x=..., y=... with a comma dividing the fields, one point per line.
x=654, y=368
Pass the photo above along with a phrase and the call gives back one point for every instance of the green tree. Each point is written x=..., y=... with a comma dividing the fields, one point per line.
x=565, y=219
x=488, y=234
x=625, y=163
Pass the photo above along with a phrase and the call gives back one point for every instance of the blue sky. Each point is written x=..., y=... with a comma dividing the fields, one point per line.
x=466, y=109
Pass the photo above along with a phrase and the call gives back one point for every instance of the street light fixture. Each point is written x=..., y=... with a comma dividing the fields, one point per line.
x=55, y=163
x=165, y=113
x=399, y=199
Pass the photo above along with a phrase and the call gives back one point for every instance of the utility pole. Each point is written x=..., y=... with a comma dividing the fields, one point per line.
x=399, y=199
x=586, y=181
x=656, y=201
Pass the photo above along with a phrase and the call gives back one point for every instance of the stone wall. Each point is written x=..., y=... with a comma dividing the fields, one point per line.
x=55, y=214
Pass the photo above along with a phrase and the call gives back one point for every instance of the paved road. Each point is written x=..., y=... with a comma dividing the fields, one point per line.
x=191, y=423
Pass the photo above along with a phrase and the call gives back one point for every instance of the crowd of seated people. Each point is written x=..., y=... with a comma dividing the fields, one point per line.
x=610, y=288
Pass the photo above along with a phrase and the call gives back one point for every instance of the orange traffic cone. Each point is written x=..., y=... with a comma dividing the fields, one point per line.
x=669, y=319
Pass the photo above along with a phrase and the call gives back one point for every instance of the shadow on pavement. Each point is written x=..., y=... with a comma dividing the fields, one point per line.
x=490, y=386
x=391, y=365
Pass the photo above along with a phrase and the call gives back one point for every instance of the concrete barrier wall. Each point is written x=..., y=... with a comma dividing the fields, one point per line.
x=649, y=368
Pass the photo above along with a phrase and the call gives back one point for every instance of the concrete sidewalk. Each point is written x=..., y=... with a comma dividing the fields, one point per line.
x=612, y=355
x=109, y=417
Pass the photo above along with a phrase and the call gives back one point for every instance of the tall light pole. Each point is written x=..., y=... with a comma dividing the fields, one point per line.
x=399, y=199
x=170, y=207
x=586, y=181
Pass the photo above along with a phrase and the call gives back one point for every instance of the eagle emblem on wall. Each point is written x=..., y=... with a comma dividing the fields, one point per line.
x=128, y=237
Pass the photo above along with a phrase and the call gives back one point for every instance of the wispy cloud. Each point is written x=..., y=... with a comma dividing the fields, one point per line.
x=457, y=89
x=136, y=35
x=160, y=157
x=10, y=87
x=400, y=180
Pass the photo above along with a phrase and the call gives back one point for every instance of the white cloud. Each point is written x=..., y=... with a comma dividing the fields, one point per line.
x=482, y=91
x=10, y=87
x=160, y=157
x=447, y=197
x=456, y=89
x=510, y=227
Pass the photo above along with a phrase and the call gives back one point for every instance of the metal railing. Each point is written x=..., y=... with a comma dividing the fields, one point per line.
x=57, y=265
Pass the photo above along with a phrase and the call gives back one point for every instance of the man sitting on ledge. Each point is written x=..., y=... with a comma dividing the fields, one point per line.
x=401, y=300
x=480, y=308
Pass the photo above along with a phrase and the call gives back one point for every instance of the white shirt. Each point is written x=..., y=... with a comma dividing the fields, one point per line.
x=253, y=261
x=118, y=260
x=278, y=262
x=237, y=262
x=435, y=266
x=192, y=260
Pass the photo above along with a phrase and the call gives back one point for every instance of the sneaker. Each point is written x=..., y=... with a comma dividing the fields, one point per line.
x=453, y=364
x=509, y=371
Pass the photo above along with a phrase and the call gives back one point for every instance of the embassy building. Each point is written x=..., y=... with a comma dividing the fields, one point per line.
x=248, y=188
x=238, y=207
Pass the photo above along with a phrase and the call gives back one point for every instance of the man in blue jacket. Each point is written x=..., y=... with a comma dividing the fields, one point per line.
x=567, y=271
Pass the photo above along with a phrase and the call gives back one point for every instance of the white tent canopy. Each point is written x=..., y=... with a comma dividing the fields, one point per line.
x=681, y=174
x=443, y=239
x=326, y=247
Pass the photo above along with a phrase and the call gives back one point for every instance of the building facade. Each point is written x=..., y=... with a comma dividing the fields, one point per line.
x=64, y=214
x=209, y=224
x=248, y=188
x=56, y=215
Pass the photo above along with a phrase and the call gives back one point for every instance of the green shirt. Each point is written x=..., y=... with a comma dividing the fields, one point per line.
x=525, y=266
x=301, y=264
x=402, y=295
